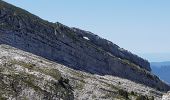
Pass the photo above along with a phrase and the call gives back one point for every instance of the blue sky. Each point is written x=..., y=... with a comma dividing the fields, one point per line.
x=140, y=26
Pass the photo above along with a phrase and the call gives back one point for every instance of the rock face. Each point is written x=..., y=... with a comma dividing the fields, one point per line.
x=113, y=49
x=75, y=48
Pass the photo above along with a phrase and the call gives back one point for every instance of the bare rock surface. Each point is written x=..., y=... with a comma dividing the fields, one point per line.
x=27, y=76
x=166, y=96
x=40, y=60
x=74, y=48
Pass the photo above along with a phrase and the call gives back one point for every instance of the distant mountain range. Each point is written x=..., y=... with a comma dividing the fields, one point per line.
x=161, y=69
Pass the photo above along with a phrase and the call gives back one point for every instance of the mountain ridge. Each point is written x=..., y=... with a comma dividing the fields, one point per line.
x=75, y=48
x=51, y=29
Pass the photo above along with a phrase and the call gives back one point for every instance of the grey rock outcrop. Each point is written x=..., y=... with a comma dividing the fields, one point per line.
x=64, y=45
x=113, y=49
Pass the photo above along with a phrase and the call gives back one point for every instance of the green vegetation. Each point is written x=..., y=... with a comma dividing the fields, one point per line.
x=15, y=79
x=23, y=78
x=52, y=72
x=48, y=71
x=152, y=98
x=123, y=93
x=129, y=63
x=2, y=98
x=30, y=82
x=80, y=85
x=110, y=85
x=141, y=97
x=93, y=96
x=132, y=93
x=77, y=74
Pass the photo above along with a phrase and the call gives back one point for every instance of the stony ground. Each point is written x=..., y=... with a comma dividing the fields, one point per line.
x=25, y=76
x=166, y=96
x=72, y=47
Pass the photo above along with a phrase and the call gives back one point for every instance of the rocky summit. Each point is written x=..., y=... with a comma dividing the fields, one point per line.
x=40, y=60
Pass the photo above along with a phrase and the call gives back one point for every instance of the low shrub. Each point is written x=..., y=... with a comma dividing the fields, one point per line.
x=123, y=93
x=141, y=97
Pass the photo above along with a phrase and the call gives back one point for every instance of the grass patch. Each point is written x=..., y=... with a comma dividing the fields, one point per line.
x=21, y=78
x=45, y=70
x=52, y=72
x=123, y=93
x=29, y=80
x=2, y=98
x=80, y=86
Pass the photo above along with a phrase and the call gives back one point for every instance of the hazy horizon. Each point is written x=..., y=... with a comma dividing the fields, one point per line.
x=141, y=27
x=156, y=57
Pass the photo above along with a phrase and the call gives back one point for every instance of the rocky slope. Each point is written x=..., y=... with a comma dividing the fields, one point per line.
x=166, y=96
x=25, y=76
x=75, y=48
x=92, y=64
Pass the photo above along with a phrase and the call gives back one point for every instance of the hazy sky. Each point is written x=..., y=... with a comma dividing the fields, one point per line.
x=140, y=26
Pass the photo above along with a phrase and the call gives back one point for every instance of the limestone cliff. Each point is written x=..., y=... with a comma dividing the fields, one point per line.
x=77, y=49
x=113, y=48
